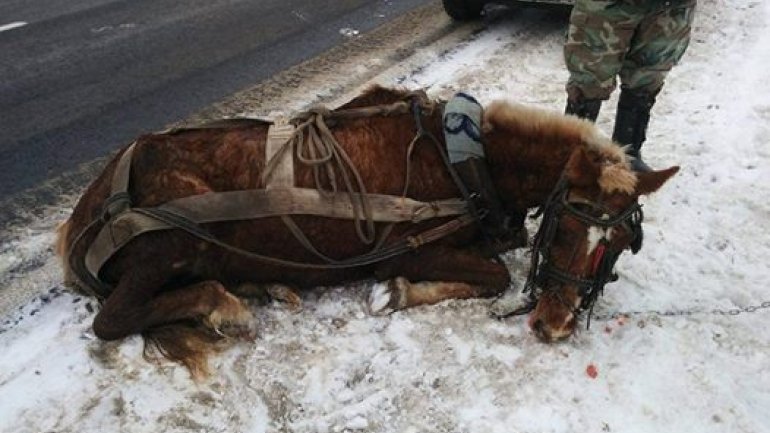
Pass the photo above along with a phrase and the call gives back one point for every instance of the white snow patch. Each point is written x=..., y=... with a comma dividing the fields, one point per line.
x=13, y=25
x=450, y=368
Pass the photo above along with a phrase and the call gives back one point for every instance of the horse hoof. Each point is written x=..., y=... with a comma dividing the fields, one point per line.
x=386, y=298
x=285, y=294
x=256, y=293
x=239, y=331
x=231, y=318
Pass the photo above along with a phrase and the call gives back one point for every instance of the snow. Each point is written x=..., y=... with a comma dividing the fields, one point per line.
x=450, y=368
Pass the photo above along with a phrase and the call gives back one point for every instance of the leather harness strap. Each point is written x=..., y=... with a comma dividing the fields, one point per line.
x=282, y=175
x=254, y=204
x=260, y=203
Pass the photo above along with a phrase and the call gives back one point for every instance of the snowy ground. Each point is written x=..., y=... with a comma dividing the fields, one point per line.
x=449, y=368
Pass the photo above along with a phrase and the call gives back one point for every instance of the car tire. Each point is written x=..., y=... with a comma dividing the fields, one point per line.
x=463, y=10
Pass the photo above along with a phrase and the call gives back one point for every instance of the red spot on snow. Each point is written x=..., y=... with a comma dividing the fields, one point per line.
x=591, y=371
x=607, y=329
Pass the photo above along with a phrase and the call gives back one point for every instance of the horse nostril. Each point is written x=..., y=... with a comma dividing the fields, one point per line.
x=538, y=326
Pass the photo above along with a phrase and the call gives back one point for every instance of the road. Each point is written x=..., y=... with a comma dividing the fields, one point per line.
x=28, y=218
x=82, y=77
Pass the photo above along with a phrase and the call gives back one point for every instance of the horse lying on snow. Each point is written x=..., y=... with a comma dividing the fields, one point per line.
x=176, y=285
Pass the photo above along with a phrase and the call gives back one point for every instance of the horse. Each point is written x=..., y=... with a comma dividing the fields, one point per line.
x=180, y=290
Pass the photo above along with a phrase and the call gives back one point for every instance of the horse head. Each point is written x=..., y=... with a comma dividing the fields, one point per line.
x=590, y=218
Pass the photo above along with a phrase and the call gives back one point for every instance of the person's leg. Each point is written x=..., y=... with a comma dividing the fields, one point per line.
x=599, y=35
x=660, y=42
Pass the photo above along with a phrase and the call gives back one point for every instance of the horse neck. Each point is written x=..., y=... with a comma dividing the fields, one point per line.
x=526, y=169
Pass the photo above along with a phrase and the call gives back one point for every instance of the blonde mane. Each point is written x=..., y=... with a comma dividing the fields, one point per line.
x=616, y=175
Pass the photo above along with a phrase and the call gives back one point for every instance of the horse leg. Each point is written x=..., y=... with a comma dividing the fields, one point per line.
x=399, y=293
x=442, y=273
x=134, y=307
x=129, y=309
x=209, y=301
x=275, y=291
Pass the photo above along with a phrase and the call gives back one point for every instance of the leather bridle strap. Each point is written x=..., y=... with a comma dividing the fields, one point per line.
x=560, y=203
x=603, y=221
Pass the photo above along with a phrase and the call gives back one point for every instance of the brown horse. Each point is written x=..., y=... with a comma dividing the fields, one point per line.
x=175, y=288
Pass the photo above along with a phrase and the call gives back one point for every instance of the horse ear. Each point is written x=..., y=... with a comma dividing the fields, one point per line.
x=649, y=182
x=580, y=170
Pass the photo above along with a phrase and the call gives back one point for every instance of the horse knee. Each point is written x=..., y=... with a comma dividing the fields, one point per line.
x=123, y=312
x=490, y=279
x=108, y=327
x=499, y=280
x=488, y=291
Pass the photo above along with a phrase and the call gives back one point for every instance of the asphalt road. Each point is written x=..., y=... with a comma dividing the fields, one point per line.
x=80, y=78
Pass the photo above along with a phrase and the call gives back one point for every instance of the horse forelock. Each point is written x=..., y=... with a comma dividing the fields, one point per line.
x=616, y=175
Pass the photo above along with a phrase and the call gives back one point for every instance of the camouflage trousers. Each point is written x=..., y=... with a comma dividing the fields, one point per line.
x=638, y=40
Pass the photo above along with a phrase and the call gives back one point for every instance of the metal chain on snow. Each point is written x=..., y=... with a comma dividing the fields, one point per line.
x=690, y=312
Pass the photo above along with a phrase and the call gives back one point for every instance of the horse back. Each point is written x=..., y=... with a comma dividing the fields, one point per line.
x=169, y=166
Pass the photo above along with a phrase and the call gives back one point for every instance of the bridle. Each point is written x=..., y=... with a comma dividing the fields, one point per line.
x=544, y=276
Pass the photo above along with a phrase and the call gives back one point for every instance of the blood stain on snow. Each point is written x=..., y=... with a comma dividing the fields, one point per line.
x=591, y=371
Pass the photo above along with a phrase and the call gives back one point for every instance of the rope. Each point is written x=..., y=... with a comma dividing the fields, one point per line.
x=315, y=146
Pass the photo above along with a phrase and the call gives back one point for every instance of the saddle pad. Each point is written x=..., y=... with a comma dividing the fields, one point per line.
x=462, y=128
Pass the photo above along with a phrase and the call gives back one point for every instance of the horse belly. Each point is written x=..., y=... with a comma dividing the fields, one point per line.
x=270, y=237
x=180, y=256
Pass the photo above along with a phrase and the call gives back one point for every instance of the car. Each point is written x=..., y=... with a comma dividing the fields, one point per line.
x=464, y=10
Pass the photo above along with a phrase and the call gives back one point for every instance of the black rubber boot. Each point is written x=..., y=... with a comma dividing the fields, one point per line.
x=584, y=108
x=475, y=175
x=631, y=122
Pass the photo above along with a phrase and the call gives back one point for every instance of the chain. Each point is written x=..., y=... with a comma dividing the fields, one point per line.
x=688, y=312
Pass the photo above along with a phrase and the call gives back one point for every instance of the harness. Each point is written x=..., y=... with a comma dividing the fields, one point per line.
x=309, y=137
x=543, y=273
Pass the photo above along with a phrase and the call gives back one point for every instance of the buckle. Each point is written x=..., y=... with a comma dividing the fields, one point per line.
x=115, y=205
x=428, y=211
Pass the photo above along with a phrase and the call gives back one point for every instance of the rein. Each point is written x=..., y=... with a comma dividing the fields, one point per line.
x=543, y=273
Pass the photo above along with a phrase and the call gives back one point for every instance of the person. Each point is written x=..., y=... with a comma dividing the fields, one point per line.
x=637, y=40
